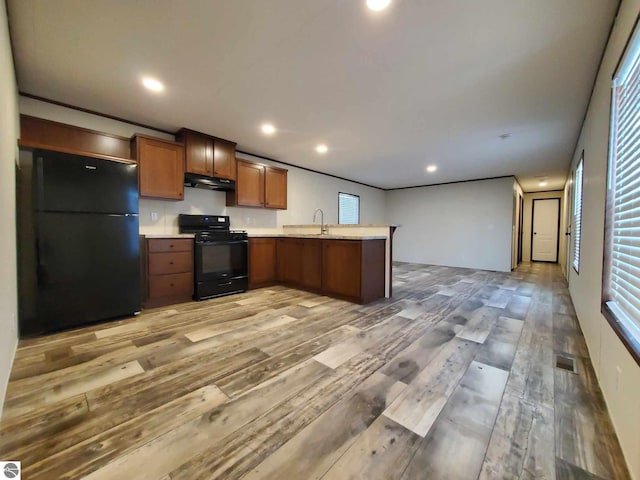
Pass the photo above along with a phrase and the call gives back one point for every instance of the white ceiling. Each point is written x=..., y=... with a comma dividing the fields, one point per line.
x=424, y=82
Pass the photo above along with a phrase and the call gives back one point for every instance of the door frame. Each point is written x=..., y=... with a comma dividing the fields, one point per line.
x=520, y=227
x=533, y=216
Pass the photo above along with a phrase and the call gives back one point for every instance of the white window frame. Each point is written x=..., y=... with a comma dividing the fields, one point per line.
x=621, y=268
x=348, y=197
x=578, y=189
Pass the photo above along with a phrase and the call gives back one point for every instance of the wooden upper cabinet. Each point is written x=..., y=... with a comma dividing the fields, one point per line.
x=258, y=185
x=160, y=167
x=206, y=155
x=198, y=152
x=275, y=188
x=249, y=186
x=40, y=133
x=224, y=159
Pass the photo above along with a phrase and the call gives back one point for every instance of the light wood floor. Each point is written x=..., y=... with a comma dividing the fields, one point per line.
x=453, y=378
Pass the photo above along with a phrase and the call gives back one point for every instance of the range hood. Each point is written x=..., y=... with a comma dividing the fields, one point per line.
x=210, y=183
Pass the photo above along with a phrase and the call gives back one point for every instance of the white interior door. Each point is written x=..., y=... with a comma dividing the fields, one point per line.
x=546, y=216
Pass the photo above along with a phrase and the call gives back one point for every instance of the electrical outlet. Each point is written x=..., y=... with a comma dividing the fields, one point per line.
x=618, y=378
x=154, y=216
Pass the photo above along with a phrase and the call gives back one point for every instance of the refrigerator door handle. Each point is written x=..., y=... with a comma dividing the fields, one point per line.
x=40, y=266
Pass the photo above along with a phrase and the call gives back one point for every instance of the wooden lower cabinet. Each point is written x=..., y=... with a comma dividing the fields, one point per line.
x=169, y=271
x=353, y=270
x=262, y=262
x=311, y=264
x=300, y=263
x=289, y=259
x=341, y=268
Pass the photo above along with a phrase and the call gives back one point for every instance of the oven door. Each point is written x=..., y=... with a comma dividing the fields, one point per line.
x=219, y=260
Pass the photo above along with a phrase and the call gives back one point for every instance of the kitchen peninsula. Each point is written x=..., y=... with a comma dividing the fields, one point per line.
x=352, y=262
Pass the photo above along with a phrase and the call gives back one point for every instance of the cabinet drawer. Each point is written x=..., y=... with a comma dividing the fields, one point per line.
x=170, y=244
x=171, y=285
x=170, y=262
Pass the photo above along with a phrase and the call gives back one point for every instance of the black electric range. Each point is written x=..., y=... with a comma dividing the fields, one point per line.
x=220, y=257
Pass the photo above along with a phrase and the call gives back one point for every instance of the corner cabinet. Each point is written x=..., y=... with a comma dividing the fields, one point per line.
x=262, y=262
x=260, y=186
x=160, y=167
x=207, y=155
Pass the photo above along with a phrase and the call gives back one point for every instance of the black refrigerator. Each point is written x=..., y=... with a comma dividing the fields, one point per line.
x=79, y=250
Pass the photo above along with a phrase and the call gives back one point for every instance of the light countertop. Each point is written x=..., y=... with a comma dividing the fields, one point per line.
x=344, y=225
x=322, y=237
x=168, y=235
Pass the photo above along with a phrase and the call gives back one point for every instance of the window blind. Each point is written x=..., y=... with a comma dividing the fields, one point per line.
x=348, y=208
x=577, y=214
x=624, y=182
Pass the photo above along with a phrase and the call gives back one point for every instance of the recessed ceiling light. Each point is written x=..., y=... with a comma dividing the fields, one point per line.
x=432, y=168
x=152, y=84
x=543, y=183
x=268, y=129
x=377, y=5
x=322, y=148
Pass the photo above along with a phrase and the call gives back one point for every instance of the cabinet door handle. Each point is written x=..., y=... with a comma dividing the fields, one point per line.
x=170, y=263
x=171, y=285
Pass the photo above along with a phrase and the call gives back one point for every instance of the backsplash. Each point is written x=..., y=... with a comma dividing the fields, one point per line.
x=161, y=216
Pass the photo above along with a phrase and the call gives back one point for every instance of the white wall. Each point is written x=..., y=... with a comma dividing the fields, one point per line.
x=463, y=224
x=607, y=352
x=36, y=108
x=306, y=190
x=527, y=219
x=8, y=156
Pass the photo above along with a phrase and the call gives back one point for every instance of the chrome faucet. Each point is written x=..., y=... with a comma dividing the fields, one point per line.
x=323, y=227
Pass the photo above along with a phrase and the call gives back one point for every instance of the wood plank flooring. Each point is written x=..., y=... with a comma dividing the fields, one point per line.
x=453, y=378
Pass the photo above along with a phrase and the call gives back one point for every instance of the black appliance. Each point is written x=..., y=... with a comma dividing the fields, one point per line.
x=210, y=183
x=79, y=250
x=221, y=265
